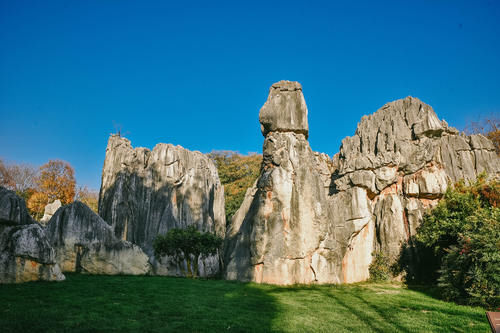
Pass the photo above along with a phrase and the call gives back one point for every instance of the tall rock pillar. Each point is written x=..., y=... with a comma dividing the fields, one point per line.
x=277, y=232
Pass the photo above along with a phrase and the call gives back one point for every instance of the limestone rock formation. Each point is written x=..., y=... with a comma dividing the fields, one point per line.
x=147, y=192
x=278, y=234
x=285, y=96
x=50, y=210
x=412, y=157
x=310, y=219
x=84, y=242
x=25, y=253
x=13, y=209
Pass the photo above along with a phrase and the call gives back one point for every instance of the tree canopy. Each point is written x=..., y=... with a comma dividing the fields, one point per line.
x=187, y=245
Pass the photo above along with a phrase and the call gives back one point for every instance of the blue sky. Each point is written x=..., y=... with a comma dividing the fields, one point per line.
x=197, y=73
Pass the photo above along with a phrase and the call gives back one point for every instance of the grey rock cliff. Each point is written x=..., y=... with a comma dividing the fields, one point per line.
x=147, y=192
x=84, y=242
x=311, y=219
x=25, y=252
x=413, y=157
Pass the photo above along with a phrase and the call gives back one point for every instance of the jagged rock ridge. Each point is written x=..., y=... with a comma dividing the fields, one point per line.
x=312, y=219
x=147, y=192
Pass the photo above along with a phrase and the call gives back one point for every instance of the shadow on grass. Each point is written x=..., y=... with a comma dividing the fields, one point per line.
x=127, y=303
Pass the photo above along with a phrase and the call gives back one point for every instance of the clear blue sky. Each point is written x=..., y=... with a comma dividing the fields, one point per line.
x=196, y=74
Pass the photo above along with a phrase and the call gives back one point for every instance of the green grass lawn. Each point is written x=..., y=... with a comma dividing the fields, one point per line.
x=151, y=303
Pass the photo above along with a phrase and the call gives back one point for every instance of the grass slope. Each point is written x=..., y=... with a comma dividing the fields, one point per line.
x=162, y=304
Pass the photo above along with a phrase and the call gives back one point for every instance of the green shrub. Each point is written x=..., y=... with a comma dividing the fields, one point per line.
x=463, y=235
x=187, y=245
x=380, y=269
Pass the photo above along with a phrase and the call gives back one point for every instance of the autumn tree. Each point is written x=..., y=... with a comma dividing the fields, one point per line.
x=237, y=173
x=88, y=196
x=56, y=181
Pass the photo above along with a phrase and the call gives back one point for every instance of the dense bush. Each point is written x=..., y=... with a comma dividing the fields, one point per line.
x=187, y=245
x=463, y=235
x=380, y=269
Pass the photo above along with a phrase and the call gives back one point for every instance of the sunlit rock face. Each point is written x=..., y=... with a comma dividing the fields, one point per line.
x=145, y=193
x=84, y=242
x=50, y=210
x=312, y=219
x=406, y=158
x=25, y=252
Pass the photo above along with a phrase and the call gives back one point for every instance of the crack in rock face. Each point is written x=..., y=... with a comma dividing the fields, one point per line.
x=312, y=219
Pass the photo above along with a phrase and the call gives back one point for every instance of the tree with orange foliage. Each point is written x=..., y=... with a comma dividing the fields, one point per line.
x=56, y=181
x=88, y=197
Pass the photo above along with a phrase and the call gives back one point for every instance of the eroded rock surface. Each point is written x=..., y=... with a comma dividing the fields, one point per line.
x=309, y=218
x=147, y=192
x=84, y=242
x=413, y=157
x=25, y=252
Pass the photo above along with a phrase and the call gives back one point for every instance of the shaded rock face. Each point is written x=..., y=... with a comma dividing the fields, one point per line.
x=309, y=218
x=145, y=193
x=50, y=210
x=13, y=209
x=25, y=252
x=84, y=242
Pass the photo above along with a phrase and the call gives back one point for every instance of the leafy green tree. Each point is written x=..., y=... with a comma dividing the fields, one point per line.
x=187, y=245
x=237, y=173
x=460, y=239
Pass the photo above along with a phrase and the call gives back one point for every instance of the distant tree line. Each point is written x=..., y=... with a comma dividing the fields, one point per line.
x=42, y=185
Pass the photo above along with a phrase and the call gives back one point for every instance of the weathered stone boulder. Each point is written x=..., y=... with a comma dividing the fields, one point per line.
x=84, y=242
x=50, y=210
x=312, y=219
x=145, y=193
x=25, y=253
x=13, y=209
x=285, y=96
